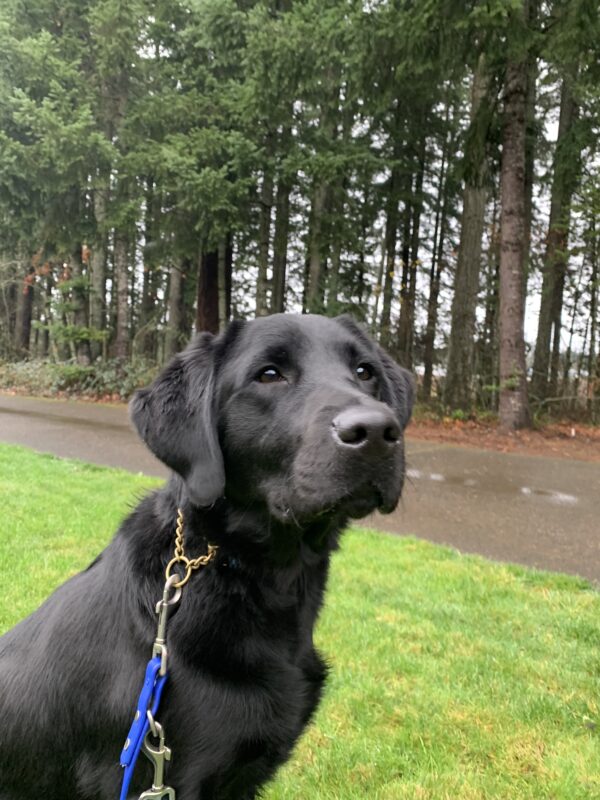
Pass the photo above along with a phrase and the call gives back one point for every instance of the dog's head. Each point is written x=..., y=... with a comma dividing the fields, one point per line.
x=302, y=415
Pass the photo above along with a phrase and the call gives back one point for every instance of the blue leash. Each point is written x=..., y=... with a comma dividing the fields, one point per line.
x=149, y=699
x=148, y=702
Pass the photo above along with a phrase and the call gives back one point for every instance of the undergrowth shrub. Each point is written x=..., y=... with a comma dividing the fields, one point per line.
x=115, y=378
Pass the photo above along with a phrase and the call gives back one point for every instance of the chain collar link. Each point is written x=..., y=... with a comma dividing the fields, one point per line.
x=188, y=564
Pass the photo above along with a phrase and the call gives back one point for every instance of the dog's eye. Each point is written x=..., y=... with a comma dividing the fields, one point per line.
x=270, y=375
x=364, y=372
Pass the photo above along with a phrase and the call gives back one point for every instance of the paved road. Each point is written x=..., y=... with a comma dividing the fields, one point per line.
x=527, y=509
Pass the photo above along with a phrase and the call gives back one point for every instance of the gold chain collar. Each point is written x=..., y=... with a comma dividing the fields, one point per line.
x=189, y=564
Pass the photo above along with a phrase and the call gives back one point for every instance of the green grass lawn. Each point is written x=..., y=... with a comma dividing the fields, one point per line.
x=453, y=678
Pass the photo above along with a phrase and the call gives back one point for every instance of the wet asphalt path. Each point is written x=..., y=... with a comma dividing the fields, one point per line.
x=532, y=510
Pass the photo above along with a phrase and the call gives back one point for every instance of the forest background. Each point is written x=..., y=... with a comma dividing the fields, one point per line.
x=431, y=167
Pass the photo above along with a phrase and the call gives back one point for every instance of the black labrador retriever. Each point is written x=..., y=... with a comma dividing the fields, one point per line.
x=277, y=432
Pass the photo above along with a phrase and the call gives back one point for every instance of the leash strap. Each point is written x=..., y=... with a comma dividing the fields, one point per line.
x=149, y=699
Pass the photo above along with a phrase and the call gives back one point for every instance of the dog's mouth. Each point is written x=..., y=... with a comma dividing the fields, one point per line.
x=365, y=500
x=358, y=503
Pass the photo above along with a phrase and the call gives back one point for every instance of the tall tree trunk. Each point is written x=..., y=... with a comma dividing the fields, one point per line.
x=436, y=269
x=557, y=308
x=555, y=259
x=207, y=306
x=377, y=291
x=280, y=241
x=391, y=225
x=97, y=265
x=64, y=346
x=333, y=282
x=173, y=333
x=121, y=282
x=228, y=275
x=339, y=191
x=592, y=364
x=305, y=272
x=389, y=257
x=488, y=344
x=513, y=409
x=568, y=362
x=317, y=248
x=334, y=277
x=47, y=311
x=223, y=285
x=147, y=334
x=407, y=309
x=321, y=197
x=11, y=302
x=266, y=205
x=531, y=137
x=24, y=313
x=362, y=252
x=79, y=305
x=458, y=385
x=405, y=249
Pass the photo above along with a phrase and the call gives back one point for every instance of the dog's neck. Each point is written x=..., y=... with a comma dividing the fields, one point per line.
x=248, y=535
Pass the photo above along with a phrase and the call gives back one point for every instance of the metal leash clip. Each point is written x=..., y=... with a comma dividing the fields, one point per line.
x=159, y=647
x=158, y=756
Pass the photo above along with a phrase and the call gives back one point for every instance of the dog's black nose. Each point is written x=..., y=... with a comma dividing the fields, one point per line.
x=361, y=427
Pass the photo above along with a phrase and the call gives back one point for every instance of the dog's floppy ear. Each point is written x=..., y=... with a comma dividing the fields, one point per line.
x=398, y=388
x=175, y=417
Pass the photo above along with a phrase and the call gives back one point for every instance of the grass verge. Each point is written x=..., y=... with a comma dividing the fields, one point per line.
x=453, y=678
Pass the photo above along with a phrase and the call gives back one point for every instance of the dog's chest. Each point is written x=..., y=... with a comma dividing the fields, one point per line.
x=240, y=622
x=247, y=710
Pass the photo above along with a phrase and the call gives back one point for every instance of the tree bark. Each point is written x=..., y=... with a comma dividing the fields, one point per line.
x=531, y=136
x=79, y=306
x=11, y=301
x=407, y=309
x=391, y=226
x=147, y=332
x=228, y=274
x=592, y=363
x=224, y=265
x=24, y=313
x=338, y=197
x=318, y=244
x=173, y=333
x=555, y=259
x=207, y=306
x=405, y=250
x=458, y=386
x=47, y=310
x=334, y=277
x=316, y=250
x=487, y=345
x=280, y=243
x=97, y=266
x=557, y=309
x=121, y=281
x=513, y=408
x=377, y=291
x=266, y=205
x=389, y=258
x=577, y=293
x=436, y=269
x=365, y=228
